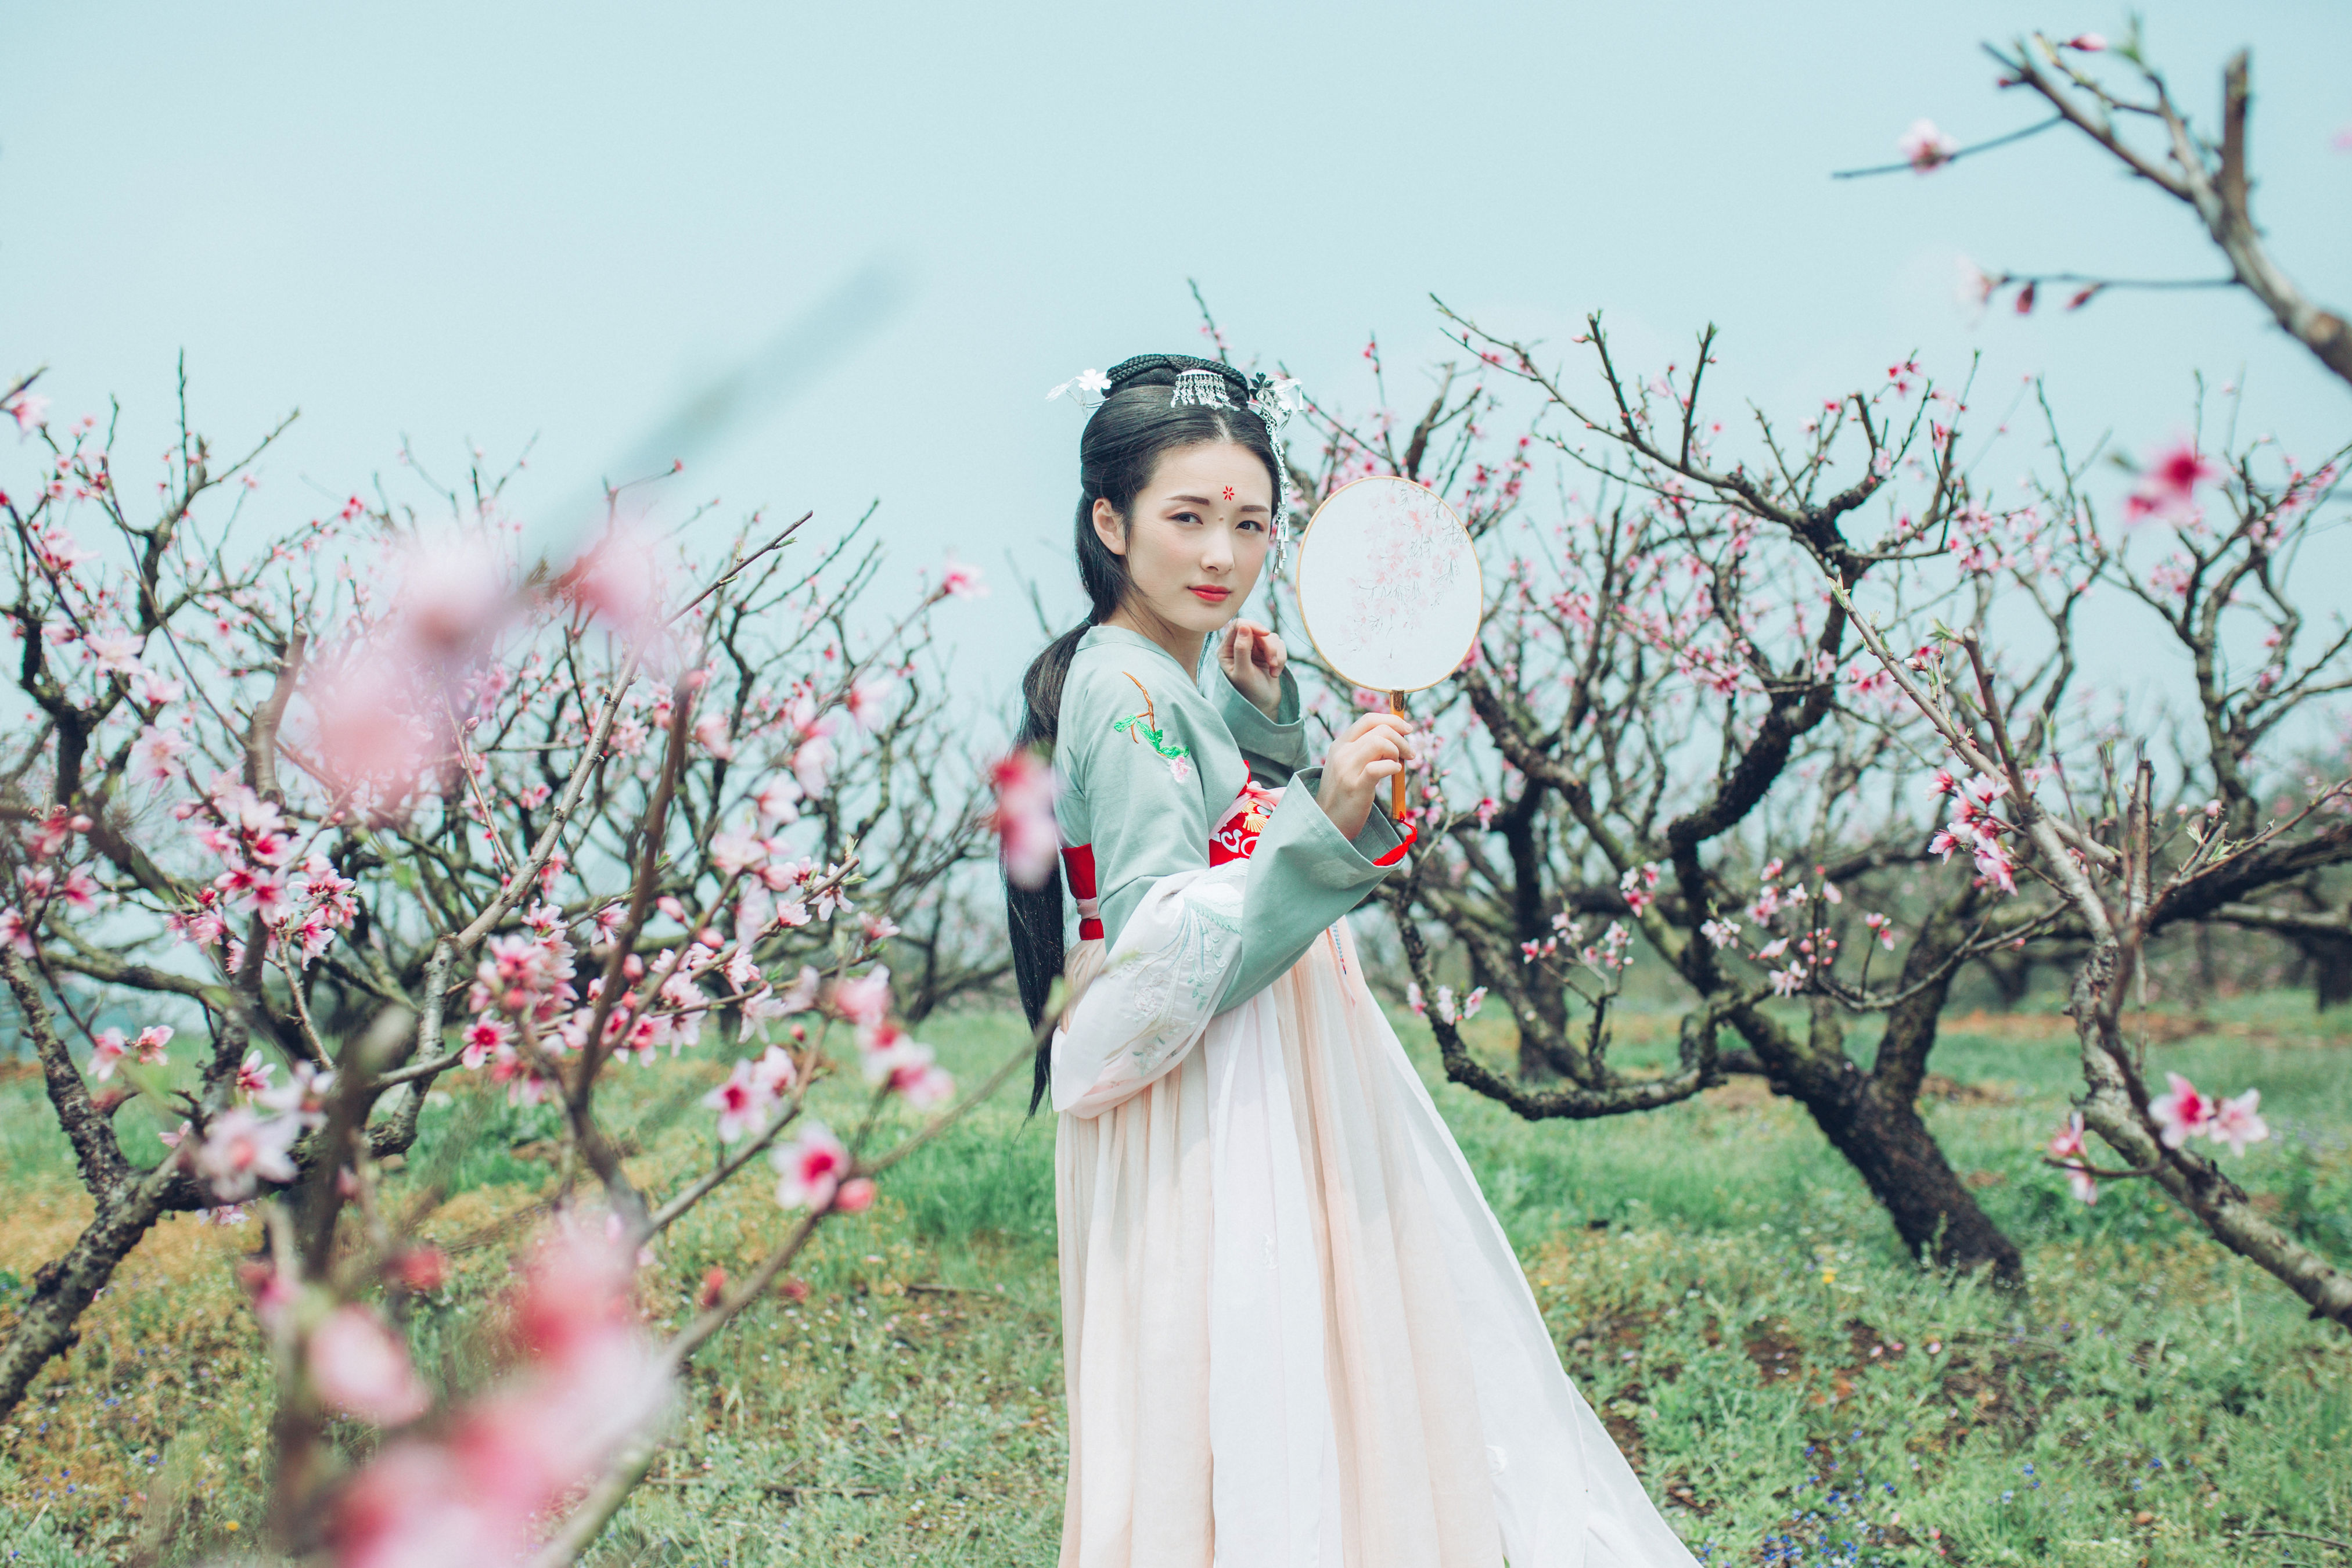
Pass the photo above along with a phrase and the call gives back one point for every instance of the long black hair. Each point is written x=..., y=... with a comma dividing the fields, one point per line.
x=1122, y=445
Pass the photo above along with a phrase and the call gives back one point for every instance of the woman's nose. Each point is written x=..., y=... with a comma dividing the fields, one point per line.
x=1217, y=551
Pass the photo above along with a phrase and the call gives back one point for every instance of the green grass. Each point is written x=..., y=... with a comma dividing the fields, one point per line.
x=1721, y=1286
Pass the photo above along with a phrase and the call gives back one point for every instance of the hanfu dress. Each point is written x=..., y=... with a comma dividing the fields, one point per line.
x=1293, y=1331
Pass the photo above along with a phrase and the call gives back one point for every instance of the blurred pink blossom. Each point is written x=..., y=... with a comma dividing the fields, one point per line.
x=360, y=1366
x=241, y=1150
x=811, y=1168
x=741, y=1101
x=29, y=409
x=1023, y=817
x=2238, y=1123
x=958, y=580
x=2068, y=1146
x=865, y=1000
x=2169, y=481
x=1924, y=147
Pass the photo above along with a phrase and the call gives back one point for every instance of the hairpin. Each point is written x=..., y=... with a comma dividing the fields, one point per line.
x=1086, y=389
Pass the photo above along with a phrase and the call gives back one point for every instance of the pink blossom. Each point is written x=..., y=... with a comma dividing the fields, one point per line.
x=812, y=1167
x=1444, y=1004
x=742, y=1103
x=779, y=800
x=2169, y=481
x=711, y=734
x=253, y=1074
x=1412, y=999
x=360, y=1366
x=2237, y=1124
x=151, y=1043
x=155, y=690
x=1924, y=147
x=732, y=853
x=1023, y=817
x=452, y=595
x=897, y=1064
x=1719, y=933
x=107, y=1048
x=865, y=1000
x=241, y=1150
x=2089, y=42
x=960, y=582
x=486, y=1038
x=155, y=754
x=1772, y=949
x=1471, y=1003
x=587, y=1385
x=811, y=762
x=773, y=1073
x=1994, y=865
x=867, y=698
x=1790, y=981
x=800, y=995
x=1882, y=928
x=117, y=653
x=2068, y=1146
x=2182, y=1113
x=855, y=1196
x=29, y=409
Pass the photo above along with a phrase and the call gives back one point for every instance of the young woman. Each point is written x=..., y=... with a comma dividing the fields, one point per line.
x=1293, y=1332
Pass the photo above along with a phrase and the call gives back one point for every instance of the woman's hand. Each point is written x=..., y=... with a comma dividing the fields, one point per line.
x=1375, y=748
x=1252, y=658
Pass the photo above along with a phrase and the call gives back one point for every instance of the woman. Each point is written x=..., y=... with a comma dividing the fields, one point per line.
x=1293, y=1332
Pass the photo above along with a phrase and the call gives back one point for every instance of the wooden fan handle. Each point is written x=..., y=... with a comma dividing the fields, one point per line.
x=1396, y=790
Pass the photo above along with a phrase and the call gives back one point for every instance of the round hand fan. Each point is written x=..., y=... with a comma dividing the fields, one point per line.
x=1389, y=589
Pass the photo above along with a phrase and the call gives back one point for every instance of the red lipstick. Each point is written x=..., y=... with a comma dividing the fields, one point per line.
x=1208, y=595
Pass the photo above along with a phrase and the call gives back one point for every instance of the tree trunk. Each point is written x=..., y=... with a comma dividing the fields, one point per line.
x=1876, y=1126
x=2331, y=972
x=62, y=1288
x=1890, y=1146
x=1872, y=1119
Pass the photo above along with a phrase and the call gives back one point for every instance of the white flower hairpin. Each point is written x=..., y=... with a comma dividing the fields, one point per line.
x=1086, y=389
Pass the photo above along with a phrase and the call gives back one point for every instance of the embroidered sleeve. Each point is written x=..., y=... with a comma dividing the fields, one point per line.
x=1134, y=756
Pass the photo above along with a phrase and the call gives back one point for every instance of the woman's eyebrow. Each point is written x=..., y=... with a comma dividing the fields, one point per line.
x=1204, y=501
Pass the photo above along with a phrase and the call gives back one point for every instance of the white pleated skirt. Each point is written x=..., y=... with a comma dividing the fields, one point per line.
x=1294, y=1335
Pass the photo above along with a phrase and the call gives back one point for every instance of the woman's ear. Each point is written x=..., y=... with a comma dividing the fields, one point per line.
x=1109, y=529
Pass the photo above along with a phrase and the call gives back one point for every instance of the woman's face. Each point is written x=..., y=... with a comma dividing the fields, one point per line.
x=1195, y=541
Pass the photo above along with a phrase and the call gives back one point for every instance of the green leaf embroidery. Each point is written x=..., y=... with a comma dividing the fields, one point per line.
x=1145, y=726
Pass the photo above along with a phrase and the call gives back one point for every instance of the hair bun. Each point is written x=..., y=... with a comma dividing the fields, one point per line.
x=1161, y=370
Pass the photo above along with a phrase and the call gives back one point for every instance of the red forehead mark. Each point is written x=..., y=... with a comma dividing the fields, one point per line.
x=1229, y=493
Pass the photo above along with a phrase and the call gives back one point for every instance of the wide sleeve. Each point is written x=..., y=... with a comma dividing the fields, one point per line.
x=1275, y=748
x=1134, y=748
x=1303, y=876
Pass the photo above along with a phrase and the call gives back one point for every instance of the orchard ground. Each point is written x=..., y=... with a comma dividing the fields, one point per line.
x=1791, y=1387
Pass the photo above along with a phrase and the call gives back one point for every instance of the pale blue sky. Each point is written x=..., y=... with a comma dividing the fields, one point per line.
x=491, y=222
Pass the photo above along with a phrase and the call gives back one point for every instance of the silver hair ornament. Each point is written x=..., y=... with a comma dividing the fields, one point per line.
x=1273, y=399
x=1203, y=387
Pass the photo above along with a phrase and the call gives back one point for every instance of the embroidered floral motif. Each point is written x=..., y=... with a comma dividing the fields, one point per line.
x=1144, y=728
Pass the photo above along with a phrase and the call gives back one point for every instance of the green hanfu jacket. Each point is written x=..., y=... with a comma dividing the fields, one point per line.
x=1149, y=762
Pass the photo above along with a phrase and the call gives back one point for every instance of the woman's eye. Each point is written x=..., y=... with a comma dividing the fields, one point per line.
x=1250, y=523
x=1188, y=517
